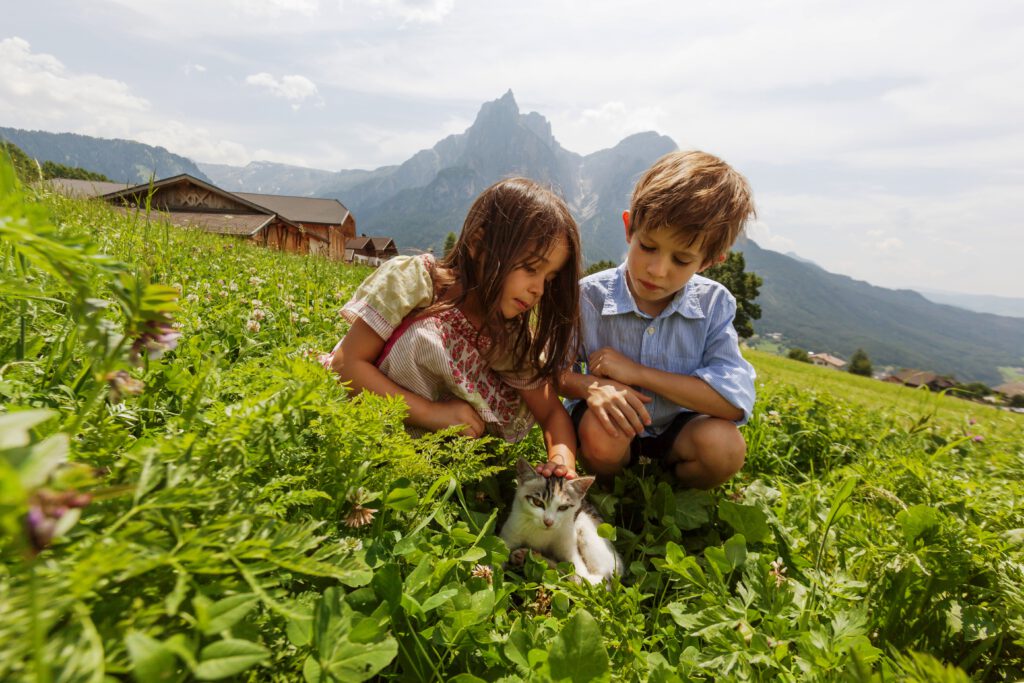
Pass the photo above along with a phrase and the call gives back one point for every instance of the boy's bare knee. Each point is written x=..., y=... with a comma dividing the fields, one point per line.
x=710, y=450
x=602, y=453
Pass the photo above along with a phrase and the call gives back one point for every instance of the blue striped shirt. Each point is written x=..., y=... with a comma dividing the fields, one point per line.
x=692, y=336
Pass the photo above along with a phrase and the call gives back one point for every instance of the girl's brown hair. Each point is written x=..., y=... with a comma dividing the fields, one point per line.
x=510, y=224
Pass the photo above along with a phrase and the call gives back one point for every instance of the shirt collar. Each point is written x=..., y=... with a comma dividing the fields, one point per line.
x=619, y=299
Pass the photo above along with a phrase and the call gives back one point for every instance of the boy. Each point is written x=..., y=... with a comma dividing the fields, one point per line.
x=665, y=379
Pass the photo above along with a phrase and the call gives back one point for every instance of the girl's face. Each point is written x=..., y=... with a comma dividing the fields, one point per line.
x=525, y=283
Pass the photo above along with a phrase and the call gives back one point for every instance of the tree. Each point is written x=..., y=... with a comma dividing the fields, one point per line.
x=860, y=364
x=744, y=286
x=449, y=243
x=52, y=169
x=599, y=266
x=798, y=354
x=25, y=167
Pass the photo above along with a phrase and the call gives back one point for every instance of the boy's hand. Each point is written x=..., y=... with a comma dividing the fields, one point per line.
x=608, y=362
x=456, y=412
x=555, y=469
x=619, y=408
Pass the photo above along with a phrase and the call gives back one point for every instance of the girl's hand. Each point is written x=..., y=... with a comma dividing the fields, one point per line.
x=555, y=469
x=456, y=412
x=611, y=364
x=619, y=408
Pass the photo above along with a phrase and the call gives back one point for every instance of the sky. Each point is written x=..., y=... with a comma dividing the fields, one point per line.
x=884, y=139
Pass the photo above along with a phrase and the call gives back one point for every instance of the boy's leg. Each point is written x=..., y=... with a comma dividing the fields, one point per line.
x=604, y=455
x=707, y=452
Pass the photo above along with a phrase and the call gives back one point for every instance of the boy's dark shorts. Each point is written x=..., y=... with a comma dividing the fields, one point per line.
x=656, y=448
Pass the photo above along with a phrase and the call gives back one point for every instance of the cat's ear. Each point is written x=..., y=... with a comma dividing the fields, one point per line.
x=524, y=470
x=581, y=485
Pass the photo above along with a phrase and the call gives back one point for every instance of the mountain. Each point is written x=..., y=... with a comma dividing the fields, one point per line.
x=420, y=201
x=982, y=303
x=120, y=160
x=272, y=178
x=821, y=311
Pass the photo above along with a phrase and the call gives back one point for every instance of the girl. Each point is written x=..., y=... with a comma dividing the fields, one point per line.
x=479, y=338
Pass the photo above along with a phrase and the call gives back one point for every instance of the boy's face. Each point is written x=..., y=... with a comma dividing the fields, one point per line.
x=658, y=265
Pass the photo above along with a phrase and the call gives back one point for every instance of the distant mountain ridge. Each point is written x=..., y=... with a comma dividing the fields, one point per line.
x=822, y=311
x=421, y=200
x=418, y=202
x=124, y=161
x=982, y=303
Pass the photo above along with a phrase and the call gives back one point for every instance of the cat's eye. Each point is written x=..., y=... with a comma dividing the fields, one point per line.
x=536, y=501
x=563, y=508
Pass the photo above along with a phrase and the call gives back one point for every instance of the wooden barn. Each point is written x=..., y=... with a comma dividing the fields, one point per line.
x=325, y=218
x=303, y=225
x=370, y=250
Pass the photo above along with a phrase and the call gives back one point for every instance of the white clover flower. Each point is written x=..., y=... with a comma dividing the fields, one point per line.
x=252, y=325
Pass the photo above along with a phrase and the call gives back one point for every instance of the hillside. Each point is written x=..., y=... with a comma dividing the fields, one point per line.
x=271, y=178
x=120, y=160
x=821, y=311
x=221, y=509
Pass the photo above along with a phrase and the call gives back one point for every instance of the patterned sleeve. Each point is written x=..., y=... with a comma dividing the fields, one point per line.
x=398, y=287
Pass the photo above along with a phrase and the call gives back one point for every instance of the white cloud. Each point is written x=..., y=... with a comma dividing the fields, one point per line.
x=275, y=8
x=36, y=91
x=417, y=11
x=294, y=87
x=890, y=244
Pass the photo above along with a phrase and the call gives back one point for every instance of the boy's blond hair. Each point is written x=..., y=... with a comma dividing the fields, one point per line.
x=697, y=196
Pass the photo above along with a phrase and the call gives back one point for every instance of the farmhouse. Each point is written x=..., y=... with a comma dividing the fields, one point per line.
x=920, y=378
x=370, y=250
x=303, y=225
x=1010, y=389
x=827, y=360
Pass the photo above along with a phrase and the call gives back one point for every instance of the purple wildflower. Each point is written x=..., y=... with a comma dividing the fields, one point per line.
x=977, y=438
x=45, y=510
x=157, y=337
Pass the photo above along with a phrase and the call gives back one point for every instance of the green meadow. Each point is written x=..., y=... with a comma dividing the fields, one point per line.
x=185, y=494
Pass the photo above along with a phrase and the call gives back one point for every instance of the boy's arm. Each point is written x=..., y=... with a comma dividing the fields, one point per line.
x=618, y=407
x=723, y=385
x=354, y=362
x=559, y=435
x=685, y=390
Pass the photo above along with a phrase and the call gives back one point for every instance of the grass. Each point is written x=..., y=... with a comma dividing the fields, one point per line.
x=875, y=395
x=246, y=520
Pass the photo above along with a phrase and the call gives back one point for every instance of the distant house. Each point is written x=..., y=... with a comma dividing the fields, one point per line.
x=327, y=218
x=827, y=361
x=303, y=225
x=370, y=250
x=1010, y=389
x=921, y=378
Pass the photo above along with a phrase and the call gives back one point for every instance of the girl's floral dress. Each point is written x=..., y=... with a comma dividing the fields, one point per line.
x=438, y=356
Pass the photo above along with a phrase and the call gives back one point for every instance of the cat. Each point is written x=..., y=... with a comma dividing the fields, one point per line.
x=551, y=516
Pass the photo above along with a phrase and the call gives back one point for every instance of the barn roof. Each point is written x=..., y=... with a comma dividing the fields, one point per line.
x=301, y=209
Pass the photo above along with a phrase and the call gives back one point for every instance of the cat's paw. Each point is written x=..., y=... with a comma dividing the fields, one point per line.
x=518, y=557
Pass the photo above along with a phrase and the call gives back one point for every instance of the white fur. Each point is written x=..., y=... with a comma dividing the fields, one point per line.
x=560, y=535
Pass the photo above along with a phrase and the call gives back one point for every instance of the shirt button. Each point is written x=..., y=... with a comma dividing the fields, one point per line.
x=650, y=330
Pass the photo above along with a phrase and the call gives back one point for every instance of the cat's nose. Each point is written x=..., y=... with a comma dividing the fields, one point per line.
x=549, y=522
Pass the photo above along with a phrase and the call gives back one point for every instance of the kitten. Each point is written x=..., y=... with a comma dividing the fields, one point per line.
x=551, y=516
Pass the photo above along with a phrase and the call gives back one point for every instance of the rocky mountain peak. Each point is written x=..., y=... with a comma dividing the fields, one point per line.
x=498, y=113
